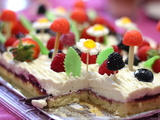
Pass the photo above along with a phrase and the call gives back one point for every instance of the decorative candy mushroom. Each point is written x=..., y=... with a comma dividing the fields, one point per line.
x=88, y=46
x=132, y=38
x=97, y=31
x=59, y=25
x=126, y=24
x=79, y=16
x=8, y=17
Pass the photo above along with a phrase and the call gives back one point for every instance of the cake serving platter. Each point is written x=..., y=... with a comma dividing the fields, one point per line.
x=12, y=98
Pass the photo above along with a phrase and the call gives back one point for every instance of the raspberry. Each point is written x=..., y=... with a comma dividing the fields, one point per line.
x=50, y=44
x=156, y=66
x=142, y=52
x=10, y=41
x=115, y=61
x=68, y=39
x=103, y=69
x=92, y=58
x=145, y=43
x=57, y=64
x=116, y=49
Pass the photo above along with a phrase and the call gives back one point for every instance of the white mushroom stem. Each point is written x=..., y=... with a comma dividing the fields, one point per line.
x=8, y=29
x=56, y=44
x=131, y=58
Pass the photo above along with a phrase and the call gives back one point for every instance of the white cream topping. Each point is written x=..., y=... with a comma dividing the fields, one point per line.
x=39, y=103
x=125, y=88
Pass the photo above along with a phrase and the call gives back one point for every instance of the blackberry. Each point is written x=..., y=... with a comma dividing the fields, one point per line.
x=115, y=62
x=136, y=60
x=51, y=52
x=41, y=9
x=123, y=47
x=144, y=75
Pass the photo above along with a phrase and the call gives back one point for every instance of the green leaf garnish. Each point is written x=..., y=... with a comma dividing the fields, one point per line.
x=103, y=55
x=50, y=16
x=26, y=23
x=74, y=30
x=72, y=63
x=2, y=38
x=150, y=61
x=43, y=49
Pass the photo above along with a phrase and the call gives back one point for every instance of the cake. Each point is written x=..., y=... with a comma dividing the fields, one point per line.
x=121, y=93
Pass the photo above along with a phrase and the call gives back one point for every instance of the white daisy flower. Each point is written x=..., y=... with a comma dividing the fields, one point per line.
x=97, y=30
x=88, y=46
x=125, y=23
x=42, y=23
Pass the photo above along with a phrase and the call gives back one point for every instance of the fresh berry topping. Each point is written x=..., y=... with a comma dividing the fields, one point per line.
x=132, y=38
x=68, y=39
x=51, y=53
x=144, y=75
x=92, y=58
x=103, y=69
x=136, y=60
x=116, y=49
x=115, y=61
x=145, y=43
x=123, y=47
x=143, y=52
x=10, y=41
x=19, y=28
x=60, y=25
x=57, y=64
x=2, y=48
x=20, y=35
x=50, y=44
x=25, y=50
x=156, y=66
x=41, y=9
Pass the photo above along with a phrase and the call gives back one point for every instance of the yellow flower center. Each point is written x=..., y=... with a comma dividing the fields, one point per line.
x=126, y=20
x=89, y=44
x=43, y=20
x=98, y=27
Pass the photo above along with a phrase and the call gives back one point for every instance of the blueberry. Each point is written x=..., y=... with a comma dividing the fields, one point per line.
x=144, y=75
x=136, y=60
x=123, y=47
x=51, y=52
x=2, y=48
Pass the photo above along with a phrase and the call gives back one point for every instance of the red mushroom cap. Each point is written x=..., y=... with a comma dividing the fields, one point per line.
x=8, y=16
x=60, y=25
x=132, y=38
x=79, y=15
x=79, y=4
